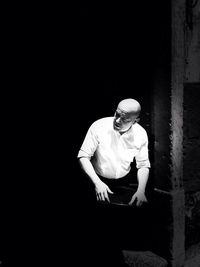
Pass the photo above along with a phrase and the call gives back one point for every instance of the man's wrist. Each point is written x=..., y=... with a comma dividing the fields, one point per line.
x=141, y=191
x=97, y=181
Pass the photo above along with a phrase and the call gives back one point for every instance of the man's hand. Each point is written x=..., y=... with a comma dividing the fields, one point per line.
x=139, y=197
x=102, y=191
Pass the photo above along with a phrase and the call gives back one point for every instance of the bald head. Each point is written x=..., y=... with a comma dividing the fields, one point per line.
x=130, y=105
x=126, y=114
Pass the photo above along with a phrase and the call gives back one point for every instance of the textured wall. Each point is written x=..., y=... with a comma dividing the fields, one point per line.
x=167, y=123
x=191, y=142
x=191, y=160
x=191, y=125
x=177, y=78
x=192, y=44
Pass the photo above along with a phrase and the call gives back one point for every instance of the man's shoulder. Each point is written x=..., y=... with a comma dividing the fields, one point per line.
x=139, y=129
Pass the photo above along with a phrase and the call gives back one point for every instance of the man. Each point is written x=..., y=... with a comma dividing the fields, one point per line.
x=110, y=146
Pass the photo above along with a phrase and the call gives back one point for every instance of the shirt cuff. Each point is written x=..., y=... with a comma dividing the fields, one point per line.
x=82, y=154
x=143, y=164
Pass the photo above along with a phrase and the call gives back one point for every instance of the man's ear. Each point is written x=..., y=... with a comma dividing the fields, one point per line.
x=137, y=120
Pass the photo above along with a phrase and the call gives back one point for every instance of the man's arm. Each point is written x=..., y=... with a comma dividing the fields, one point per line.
x=142, y=176
x=101, y=188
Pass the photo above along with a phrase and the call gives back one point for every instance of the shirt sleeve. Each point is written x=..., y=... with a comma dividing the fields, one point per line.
x=89, y=144
x=142, y=158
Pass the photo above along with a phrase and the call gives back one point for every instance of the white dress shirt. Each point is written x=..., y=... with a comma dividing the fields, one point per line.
x=111, y=153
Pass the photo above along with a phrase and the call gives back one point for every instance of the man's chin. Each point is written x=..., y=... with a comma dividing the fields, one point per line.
x=117, y=128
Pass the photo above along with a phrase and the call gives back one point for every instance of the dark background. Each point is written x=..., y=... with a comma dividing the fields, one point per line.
x=71, y=65
x=117, y=50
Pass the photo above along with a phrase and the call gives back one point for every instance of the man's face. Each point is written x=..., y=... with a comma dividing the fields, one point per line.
x=123, y=120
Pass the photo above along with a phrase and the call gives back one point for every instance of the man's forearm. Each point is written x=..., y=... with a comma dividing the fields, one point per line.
x=142, y=176
x=87, y=167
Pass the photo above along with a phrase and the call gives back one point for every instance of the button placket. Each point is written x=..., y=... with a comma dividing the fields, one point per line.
x=120, y=151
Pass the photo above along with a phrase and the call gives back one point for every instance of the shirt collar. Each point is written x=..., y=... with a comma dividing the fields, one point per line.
x=128, y=132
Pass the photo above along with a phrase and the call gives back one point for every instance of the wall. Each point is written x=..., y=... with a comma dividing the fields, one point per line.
x=167, y=122
x=191, y=141
x=192, y=43
x=191, y=174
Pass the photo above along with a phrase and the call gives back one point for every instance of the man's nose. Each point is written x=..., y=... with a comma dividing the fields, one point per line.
x=118, y=120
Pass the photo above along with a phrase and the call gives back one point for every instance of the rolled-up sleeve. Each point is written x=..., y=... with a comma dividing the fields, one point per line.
x=89, y=145
x=142, y=158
